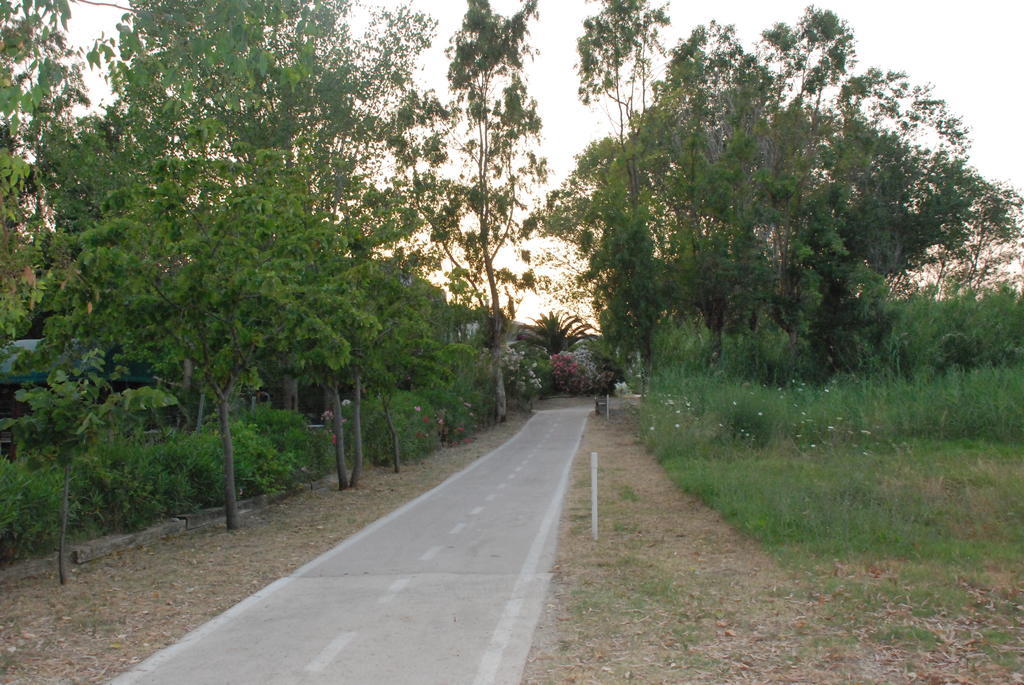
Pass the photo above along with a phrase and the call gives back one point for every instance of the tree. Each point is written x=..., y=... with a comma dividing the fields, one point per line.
x=271, y=127
x=701, y=135
x=809, y=62
x=402, y=351
x=625, y=274
x=499, y=124
x=866, y=182
x=994, y=243
x=603, y=209
x=206, y=263
x=557, y=332
x=774, y=187
x=321, y=352
x=68, y=418
x=616, y=53
x=284, y=75
x=39, y=84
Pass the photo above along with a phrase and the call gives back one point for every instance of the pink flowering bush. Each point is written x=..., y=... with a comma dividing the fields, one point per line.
x=569, y=375
x=579, y=372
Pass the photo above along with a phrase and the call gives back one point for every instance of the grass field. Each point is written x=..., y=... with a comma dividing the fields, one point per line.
x=916, y=487
x=671, y=593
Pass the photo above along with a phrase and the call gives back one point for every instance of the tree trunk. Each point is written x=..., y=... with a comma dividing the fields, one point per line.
x=716, y=345
x=230, y=500
x=290, y=393
x=794, y=342
x=62, y=552
x=201, y=410
x=357, y=428
x=715, y=319
x=647, y=362
x=188, y=370
x=633, y=179
x=501, y=401
x=339, y=438
x=497, y=338
x=397, y=458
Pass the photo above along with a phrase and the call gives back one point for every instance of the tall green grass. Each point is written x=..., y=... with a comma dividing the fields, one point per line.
x=924, y=467
x=916, y=336
x=983, y=404
x=967, y=331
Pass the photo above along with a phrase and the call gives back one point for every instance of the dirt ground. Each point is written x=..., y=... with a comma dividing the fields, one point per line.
x=118, y=610
x=670, y=593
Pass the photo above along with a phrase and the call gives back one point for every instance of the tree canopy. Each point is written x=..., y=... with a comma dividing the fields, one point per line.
x=776, y=186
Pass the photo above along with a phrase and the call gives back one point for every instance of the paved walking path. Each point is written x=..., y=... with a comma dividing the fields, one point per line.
x=446, y=589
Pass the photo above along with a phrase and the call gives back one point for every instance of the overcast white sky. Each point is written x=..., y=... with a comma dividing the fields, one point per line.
x=969, y=52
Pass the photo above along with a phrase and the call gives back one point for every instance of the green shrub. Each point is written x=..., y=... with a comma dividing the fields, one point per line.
x=418, y=424
x=545, y=372
x=29, y=510
x=979, y=404
x=426, y=418
x=131, y=482
x=275, y=424
x=309, y=451
x=762, y=356
x=119, y=489
x=423, y=421
x=192, y=469
x=260, y=468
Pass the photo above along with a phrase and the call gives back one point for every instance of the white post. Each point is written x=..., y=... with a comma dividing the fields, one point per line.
x=593, y=495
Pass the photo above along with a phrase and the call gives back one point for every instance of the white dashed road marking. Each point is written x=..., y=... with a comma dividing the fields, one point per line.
x=330, y=652
x=431, y=553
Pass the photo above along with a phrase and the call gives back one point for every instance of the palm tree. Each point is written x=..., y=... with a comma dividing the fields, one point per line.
x=556, y=332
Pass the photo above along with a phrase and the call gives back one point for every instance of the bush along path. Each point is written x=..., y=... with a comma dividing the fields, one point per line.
x=118, y=610
x=670, y=593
